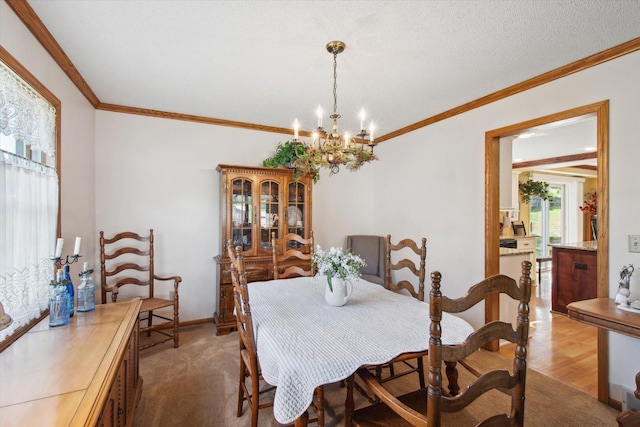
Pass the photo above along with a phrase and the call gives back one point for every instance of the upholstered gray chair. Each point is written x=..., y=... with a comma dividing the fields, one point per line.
x=372, y=250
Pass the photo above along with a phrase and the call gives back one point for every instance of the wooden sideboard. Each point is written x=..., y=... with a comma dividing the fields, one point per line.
x=81, y=374
x=603, y=313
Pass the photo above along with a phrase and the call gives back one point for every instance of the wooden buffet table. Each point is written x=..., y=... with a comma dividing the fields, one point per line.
x=602, y=313
x=81, y=374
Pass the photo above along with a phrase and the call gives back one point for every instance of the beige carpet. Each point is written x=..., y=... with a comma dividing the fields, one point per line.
x=196, y=385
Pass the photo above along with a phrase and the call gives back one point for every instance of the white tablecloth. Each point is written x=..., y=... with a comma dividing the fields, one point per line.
x=303, y=342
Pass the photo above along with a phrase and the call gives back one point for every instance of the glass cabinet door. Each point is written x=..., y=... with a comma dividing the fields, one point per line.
x=296, y=205
x=269, y=209
x=242, y=213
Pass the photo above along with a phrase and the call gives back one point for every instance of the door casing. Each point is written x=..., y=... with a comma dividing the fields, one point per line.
x=492, y=198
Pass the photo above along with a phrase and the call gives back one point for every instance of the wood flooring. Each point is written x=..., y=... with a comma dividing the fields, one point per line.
x=559, y=347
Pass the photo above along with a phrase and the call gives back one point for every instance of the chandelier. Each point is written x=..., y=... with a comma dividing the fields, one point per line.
x=330, y=149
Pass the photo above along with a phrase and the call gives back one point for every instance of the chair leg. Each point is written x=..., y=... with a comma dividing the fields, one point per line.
x=149, y=323
x=452, y=375
x=320, y=405
x=176, y=322
x=349, y=405
x=254, y=399
x=421, y=372
x=241, y=385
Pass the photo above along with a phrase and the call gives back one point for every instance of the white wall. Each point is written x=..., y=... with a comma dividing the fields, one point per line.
x=161, y=173
x=77, y=136
x=433, y=183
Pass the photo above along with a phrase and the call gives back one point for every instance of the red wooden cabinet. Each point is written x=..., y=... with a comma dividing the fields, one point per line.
x=574, y=276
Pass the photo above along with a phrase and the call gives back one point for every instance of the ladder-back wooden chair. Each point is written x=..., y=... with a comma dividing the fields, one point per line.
x=249, y=364
x=414, y=363
x=127, y=259
x=426, y=407
x=292, y=256
x=405, y=264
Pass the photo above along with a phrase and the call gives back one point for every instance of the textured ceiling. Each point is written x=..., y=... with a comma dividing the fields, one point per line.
x=265, y=62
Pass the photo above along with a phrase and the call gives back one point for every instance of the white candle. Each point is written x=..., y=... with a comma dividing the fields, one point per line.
x=346, y=140
x=295, y=129
x=372, y=127
x=76, y=249
x=319, y=112
x=363, y=116
x=59, y=244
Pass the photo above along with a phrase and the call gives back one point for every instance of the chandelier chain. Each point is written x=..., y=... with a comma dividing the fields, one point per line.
x=335, y=83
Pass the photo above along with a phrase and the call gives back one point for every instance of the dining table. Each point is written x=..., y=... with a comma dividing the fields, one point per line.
x=302, y=342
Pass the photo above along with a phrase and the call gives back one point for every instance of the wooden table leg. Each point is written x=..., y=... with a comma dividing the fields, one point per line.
x=349, y=405
x=302, y=420
x=452, y=375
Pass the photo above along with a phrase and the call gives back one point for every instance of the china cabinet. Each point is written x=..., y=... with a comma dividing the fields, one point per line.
x=254, y=203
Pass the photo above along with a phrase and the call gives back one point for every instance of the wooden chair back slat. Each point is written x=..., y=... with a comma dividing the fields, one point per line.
x=292, y=248
x=490, y=381
x=122, y=251
x=418, y=269
x=477, y=339
x=124, y=267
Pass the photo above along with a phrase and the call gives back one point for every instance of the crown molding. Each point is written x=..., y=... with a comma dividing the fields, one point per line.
x=192, y=118
x=574, y=67
x=31, y=20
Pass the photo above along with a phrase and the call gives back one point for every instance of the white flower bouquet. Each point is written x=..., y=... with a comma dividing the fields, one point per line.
x=337, y=263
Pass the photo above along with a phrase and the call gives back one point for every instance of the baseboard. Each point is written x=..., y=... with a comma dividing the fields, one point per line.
x=615, y=404
x=189, y=323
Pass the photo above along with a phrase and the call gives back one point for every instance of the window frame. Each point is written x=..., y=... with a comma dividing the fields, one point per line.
x=11, y=62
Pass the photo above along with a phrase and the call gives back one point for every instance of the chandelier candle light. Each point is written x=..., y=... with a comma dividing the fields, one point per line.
x=330, y=149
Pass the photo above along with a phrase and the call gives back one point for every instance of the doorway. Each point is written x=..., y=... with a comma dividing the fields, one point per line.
x=492, y=230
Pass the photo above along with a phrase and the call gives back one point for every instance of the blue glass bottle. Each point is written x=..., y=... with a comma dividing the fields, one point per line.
x=70, y=291
x=86, y=290
x=58, y=302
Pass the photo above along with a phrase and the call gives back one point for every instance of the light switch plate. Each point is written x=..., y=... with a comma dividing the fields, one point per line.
x=634, y=243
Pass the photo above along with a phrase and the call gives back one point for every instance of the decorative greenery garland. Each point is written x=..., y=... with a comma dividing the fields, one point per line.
x=289, y=155
x=534, y=188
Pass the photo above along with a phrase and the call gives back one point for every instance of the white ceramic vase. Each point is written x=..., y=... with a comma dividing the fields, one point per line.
x=341, y=291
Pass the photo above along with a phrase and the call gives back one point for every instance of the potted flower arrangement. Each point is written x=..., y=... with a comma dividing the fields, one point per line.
x=335, y=263
x=591, y=207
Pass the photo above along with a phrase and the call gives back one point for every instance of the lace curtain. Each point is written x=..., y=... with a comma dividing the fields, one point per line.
x=25, y=114
x=28, y=221
x=28, y=201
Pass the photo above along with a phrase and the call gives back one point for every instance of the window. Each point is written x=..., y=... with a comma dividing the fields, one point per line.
x=29, y=195
x=557, y=219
